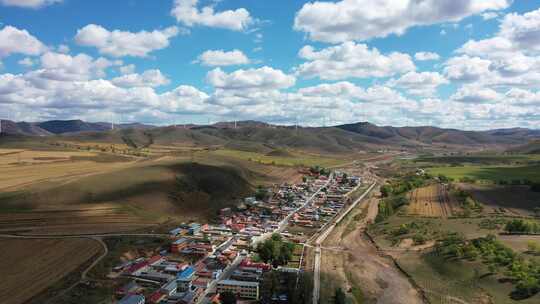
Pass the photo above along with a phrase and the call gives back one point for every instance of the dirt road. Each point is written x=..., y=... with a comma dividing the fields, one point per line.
x=360, y=266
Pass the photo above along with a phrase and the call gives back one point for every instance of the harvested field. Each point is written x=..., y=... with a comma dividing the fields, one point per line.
x=12, y=156
x=432, y=201
x=29, y=267
x=27, y=167
x=71, y=220
x=506, y=200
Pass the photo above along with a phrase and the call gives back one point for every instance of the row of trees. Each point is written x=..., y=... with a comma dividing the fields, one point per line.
x=514, y=182
x=389, y=206
x=404, y=184
x=394, y=193
x=524, y=273
x=522, y=226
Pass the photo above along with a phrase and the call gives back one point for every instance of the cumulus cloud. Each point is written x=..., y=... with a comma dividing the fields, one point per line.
x=511, y=55
x=16, y=41
x=187, y=13
x=127, y=69
x=265, y=78
x=346, y=20
x=420, y=84
x=222, y=58
x=426, y=56
x=475, y=94
x=466, y=68
x=339, y=102
x=63, y=67
x=29, y=3
x=184, y=100
x=522, y=97
x=523, y=30
x=118, y=43
x=149, y=78
x=351, y=60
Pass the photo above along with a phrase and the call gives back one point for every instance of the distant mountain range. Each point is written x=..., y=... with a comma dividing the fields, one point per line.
x=56, y=127
x=257, y=136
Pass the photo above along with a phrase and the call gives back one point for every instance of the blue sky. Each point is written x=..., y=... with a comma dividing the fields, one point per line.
x=471, y=64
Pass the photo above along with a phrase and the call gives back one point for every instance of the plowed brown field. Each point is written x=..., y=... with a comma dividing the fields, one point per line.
x=28, y=267
x=432, y=201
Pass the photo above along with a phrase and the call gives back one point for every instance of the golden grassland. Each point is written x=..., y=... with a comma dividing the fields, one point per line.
x=292, y=159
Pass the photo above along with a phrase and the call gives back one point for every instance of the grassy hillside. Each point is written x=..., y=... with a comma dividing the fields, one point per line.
x=282, y=158
x=153, y=189
x=491, y=173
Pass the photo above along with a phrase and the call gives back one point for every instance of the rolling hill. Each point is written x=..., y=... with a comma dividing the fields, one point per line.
x=533, y=147
x=262, y=137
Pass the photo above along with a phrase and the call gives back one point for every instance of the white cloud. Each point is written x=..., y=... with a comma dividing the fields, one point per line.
x=342, y=102
x=149, y=78
x=365, y=19
x=487, y=47
x=26, y=62
x=14, y=40
x=352, y=60
x=475, y=94
x=511, y=55
x=186, y=12
x=419, y=84
x=10, y=83
x=223, y=58
x=29, y=3
x=122, y=43
x=63, y=67
x=265, y=78
x=467, y=69
x=426, y=56
x=522, y=97
x=489, y=15
x=523, y=30
x=127, y=69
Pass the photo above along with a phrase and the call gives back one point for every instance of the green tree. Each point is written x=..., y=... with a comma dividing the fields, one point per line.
x=339, y=296
x=227, y=297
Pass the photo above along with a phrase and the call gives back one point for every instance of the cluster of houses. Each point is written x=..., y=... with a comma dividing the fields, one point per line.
x=205, y=260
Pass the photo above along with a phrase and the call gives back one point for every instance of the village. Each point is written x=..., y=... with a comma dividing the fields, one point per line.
x=205, y=261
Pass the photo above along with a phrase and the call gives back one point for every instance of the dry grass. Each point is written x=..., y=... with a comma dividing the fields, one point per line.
x=28, y=167
x=29, y=267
